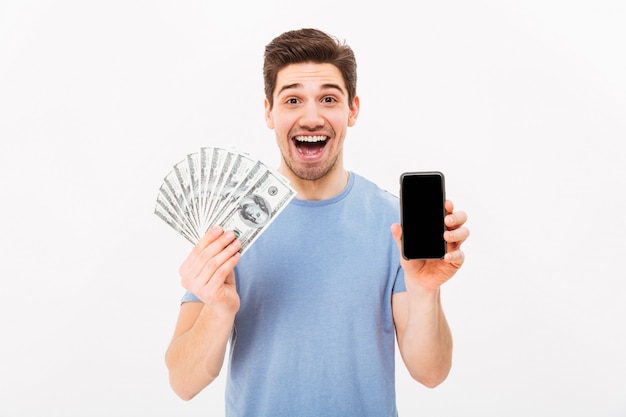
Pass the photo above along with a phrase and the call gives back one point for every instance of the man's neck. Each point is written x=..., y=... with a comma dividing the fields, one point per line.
x=324, y=188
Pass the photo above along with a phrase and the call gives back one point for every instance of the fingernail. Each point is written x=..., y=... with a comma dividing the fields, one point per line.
x=214, y=231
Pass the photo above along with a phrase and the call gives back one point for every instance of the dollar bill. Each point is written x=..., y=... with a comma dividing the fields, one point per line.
x=193, y=169
x=206, y=162
x=218, y=159
x=182, y=187
x=163, y=211
x=243, y=170
x=221, y=186
x=257, y=208
x=176, y=197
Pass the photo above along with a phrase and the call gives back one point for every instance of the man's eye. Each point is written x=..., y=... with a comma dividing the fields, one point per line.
x=329, y=100
x=292, y=101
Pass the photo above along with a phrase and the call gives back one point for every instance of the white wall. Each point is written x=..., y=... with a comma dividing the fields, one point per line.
x=520, y=103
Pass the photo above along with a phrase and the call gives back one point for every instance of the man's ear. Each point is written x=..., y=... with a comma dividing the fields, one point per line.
x=268, y=114
x=354, y=111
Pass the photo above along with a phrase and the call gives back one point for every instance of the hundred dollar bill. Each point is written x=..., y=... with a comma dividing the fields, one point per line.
x=221, y=186
x=193, y=168
x=225, y=167
x=257, y=208
x=242, y=171
x=165, y=215
x=218, y=157
x=227, y=159
x=168, y=210
x=182, y=189
x=206, y=161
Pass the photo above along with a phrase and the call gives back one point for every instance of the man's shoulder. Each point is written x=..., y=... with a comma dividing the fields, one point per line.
x=380, y=202
x=367, y=186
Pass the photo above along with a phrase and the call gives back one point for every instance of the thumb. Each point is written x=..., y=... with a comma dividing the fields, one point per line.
x=396, y=231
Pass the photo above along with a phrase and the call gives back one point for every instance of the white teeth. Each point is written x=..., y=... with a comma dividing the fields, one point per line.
x=310, y=138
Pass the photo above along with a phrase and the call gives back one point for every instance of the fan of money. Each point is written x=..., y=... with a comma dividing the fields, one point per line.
x=225, y=187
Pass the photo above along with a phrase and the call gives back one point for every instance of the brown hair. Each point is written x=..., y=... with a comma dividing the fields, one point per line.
x=308, y=45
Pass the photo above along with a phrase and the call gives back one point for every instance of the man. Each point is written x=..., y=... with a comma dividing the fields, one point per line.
x=254, y=210
x=312, y=310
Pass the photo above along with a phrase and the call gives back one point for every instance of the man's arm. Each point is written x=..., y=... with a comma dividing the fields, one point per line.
x=196, y=353
x=424, y=337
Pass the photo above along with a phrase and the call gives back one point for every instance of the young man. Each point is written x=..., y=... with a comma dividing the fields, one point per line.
x=312, y=310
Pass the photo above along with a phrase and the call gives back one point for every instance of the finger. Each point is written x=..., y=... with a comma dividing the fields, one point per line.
x=455, y=220
x=456, y=235
x=214, y=242
x=207, y=239
x=214, y=263
x=223, y=267
x=396, y=231
x=208, y=254
x=455, y=258
x=449, y=206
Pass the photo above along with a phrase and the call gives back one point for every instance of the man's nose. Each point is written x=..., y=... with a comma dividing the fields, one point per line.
x=311, y=116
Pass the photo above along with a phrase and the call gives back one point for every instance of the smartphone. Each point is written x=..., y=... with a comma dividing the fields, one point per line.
x=422, y=197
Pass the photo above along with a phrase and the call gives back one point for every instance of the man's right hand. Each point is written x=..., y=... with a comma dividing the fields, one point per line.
x=197, y=350
x=208, y=271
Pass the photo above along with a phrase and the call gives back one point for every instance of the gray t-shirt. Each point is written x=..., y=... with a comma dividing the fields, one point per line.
x=314, y=335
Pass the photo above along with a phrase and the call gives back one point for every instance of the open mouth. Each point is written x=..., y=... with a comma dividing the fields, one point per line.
x=310, y=145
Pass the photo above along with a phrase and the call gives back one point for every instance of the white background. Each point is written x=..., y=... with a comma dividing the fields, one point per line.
x=521, y=104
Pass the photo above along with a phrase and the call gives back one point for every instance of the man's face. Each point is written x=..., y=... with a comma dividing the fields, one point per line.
x=255, y=213
x=310, y=117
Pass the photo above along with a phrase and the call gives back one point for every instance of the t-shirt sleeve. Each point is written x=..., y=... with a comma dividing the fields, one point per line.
x=399, y=285
x=189, y=297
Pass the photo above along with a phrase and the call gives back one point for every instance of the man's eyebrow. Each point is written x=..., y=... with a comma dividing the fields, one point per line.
x=333, y=86
x=289, y=87
x=299, y=85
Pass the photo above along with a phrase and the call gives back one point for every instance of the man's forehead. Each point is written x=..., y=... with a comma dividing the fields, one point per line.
x=309, y=75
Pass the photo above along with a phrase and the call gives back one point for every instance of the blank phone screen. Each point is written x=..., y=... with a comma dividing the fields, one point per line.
x=422, y=196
